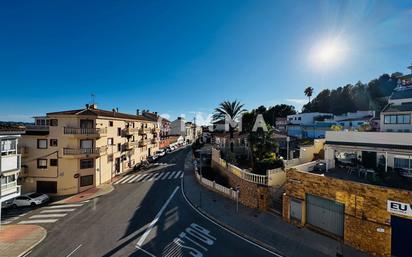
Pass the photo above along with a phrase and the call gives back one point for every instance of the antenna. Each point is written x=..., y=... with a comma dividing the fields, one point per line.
x=93, y=96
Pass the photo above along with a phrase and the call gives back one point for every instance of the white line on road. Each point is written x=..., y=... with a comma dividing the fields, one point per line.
x=77, y=248
x=165, y=176
x=154, y=176
x=151, y=225
x=161, y=175
x=226, y=229
x=135, y=178
x=57, y=210
x=52, y=215
x=183, y=174
x=142, y=177
x=120, y=180
x=64, y=206
x=171, y=175
x=38, y=221
x=177, y=174
x=129, y=179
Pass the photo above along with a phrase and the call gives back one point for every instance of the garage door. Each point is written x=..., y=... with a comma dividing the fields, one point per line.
x=49, y=187
x=401, y=236
x=325, y=214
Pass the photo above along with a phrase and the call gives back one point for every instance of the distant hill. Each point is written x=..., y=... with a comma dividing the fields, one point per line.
x=350, y=98
x=15, y=123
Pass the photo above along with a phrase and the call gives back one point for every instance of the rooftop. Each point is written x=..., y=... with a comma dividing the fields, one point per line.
x=401, y=94
x=11, y=130
x=92, y=111
x=389, y=179
x=404, y=107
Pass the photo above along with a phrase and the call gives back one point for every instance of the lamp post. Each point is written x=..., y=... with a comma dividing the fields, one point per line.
x=287, y=147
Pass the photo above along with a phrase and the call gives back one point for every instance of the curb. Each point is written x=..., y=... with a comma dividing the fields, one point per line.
x=233, y=230
x=34, y=245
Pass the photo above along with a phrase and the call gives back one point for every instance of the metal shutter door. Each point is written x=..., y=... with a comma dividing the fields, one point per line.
x=325, y=214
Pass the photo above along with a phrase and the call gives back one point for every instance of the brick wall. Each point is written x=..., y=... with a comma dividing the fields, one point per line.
x=365, y=207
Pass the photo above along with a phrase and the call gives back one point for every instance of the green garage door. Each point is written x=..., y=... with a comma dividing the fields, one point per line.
x=325, y=214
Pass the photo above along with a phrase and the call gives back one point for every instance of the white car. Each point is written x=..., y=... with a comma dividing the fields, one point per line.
x=161, y=152
x=30, y=199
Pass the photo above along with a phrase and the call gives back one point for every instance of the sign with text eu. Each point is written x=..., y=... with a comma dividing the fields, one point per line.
x=400, y=208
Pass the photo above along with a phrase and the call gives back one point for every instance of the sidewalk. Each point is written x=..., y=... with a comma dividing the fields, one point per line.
x=88, y=194
x=16, y=240
x=261, y=227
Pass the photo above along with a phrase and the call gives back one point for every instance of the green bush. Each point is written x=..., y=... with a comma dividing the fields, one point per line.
x=261, y=166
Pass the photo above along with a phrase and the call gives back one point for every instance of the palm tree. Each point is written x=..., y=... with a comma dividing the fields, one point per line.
x=308, y=92
x=231, y=110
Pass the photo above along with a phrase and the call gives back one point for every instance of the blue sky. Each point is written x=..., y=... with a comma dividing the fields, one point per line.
x=184, y=57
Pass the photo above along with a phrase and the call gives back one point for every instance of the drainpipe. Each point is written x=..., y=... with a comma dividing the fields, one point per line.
x=386, y=161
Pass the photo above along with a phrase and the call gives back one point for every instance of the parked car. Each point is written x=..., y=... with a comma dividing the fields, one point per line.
x=160, y=152
x=320, y=167
x=30, y=199
x=142, y=165
x=168, y=150
x=152, y=158
x=7, y=204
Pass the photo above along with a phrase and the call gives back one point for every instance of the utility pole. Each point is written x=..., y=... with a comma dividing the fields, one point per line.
x=194, y=128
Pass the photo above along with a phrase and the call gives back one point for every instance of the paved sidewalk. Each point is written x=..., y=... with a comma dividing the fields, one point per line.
x=16, y=240
x=261, y=227
x=88, y=194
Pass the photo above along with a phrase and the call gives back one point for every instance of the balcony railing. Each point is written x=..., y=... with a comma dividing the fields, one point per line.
x=130, y=131
x=154, y=141
x=9, y=185
x=84, y=131
x=144, y=130
x=143, y=142
x=84, y=151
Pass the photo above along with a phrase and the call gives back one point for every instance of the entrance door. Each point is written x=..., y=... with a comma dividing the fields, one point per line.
x=369, y=159
x=401, y=236
x=46, y=187
x=117, y=165
x=86, y=123
x=325, y=214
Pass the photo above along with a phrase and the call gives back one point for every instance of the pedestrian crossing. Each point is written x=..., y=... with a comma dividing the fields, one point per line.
x=155, y=176
x=11, y=216
x=51, y=214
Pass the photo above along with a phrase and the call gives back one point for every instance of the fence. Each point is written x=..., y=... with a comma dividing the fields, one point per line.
x=219, y=188
x=276, y=177
x=245, y=175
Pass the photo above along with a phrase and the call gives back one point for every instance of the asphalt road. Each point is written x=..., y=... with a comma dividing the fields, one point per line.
x=150, y=218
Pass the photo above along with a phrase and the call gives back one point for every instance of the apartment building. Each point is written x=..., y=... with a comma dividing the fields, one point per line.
x=10, y=162
x=164, y=125
x=71, y=151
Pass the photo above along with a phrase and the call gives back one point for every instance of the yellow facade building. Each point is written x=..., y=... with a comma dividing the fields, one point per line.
x=72, y=151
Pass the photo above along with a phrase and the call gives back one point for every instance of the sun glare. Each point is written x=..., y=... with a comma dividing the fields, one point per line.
x=328, y=53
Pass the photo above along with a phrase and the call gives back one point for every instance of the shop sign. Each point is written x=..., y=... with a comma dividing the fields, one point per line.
x=400, y=208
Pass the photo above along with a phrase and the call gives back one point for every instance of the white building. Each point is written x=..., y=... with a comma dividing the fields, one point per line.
x=10, y=162
x=307, y=118
x=178, y=127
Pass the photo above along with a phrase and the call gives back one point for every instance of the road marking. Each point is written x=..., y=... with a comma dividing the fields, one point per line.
x=57, y=210
x=178, y=173
x=77, y=248
x=146, y=252
x=154, y=176
x=120, y=180
x=161, y=175
x=142, y=177
x=38, y=221
x=148, y=177
x=151, y=225
x=135, y=178
x=132, y=178
x=63, y=206
x=165, y=176
x=52, y=215
x=224, y=228
x=183, y=174
x=171, y=175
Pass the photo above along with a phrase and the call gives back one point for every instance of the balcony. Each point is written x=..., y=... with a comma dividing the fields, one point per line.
x=9, y=163
x=84, y=152
x=85, y=132
x=10, y=190
x=129, y=146
x=154, y=141
x=130, y=131
x=143, y=131
x=143, y=142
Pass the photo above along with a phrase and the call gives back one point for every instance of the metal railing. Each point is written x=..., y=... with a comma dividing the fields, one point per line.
x=144, y=130
x=130, y=130
x=84, y=131
x=83, y=151
x=217, y=187
x=9, y=185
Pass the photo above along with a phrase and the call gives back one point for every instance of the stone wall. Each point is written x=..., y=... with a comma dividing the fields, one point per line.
x=367, y=221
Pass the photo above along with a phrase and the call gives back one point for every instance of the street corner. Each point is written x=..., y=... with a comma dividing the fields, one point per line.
x=88, y=194
x=16, y=240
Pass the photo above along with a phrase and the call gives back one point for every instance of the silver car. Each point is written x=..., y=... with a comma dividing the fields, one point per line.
x=30, y=199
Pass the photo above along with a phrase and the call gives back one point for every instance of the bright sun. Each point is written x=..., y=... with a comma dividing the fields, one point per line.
x=328, y=53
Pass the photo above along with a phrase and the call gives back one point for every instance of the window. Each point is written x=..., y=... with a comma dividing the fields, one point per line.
x=397, y=119
x=42, y=143
x=402, y=162
x=119, y=147
x=119, y=131
x=86, y=144
x=53, y=162
x=53, y=142
x=42, y=163
x=110, y=158
x=86, y=163
x=53, y=122
x=86, y=180
x=300, y=118
x=8, y=147
x=110, y=141
x=110, y=123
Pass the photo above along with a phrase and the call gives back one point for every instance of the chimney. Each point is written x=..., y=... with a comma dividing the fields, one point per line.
x=155, y=113
x=87, y=106
x=117, y=109
x=93, y=106
x=137, y=112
